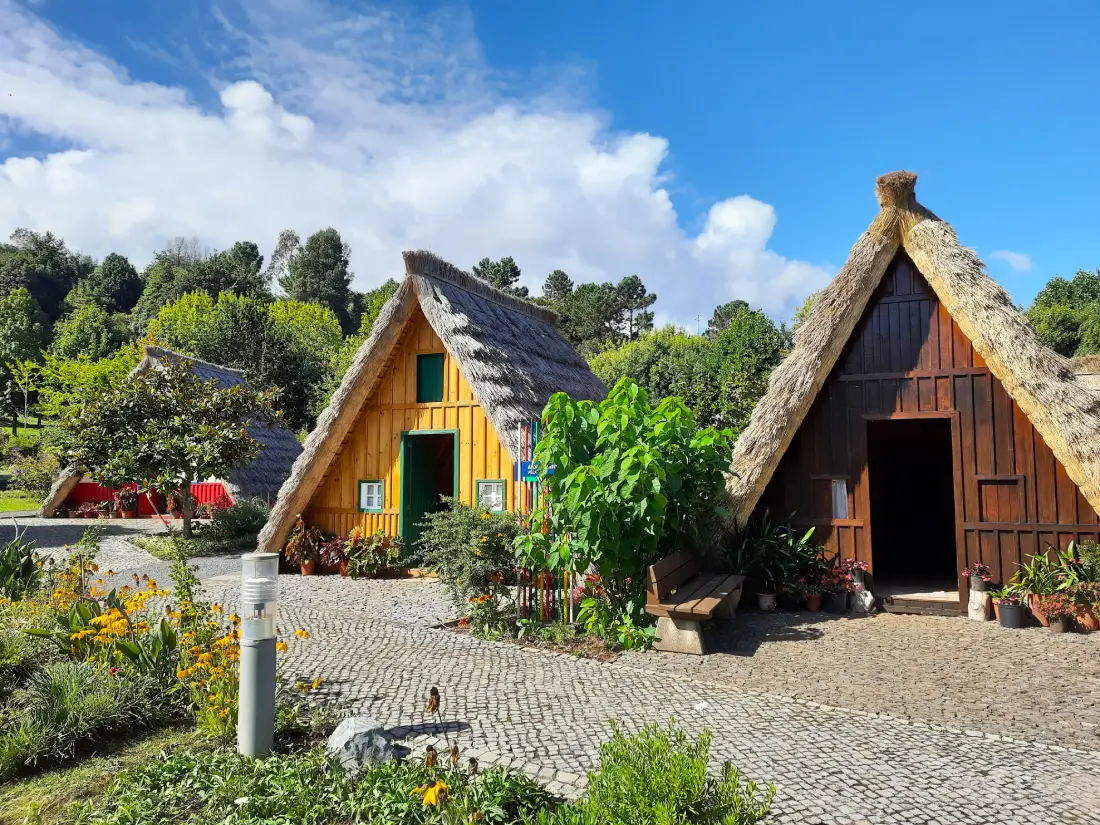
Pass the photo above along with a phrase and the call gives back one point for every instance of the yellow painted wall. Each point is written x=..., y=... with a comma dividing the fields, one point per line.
x=372, y=448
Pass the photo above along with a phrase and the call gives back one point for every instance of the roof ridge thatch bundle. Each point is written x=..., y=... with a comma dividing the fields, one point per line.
x=1041, y=382
x=507, y=349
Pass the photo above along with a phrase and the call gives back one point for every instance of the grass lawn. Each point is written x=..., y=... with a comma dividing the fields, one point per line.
x=11, y=500
x=51, y=794
x=167, y=547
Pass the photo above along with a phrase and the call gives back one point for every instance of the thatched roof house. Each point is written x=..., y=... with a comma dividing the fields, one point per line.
x=261, y=478
x=913, y=348
x=433, y=404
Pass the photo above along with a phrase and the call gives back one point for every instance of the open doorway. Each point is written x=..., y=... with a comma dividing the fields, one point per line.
x=911, y=475
x=428, y=463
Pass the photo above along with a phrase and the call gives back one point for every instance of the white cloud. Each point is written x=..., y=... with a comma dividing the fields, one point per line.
x=1016, y=260
x=390, y=128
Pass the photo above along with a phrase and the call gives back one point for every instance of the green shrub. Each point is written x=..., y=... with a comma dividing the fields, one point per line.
x=659, y=777
x=304, y=788
x=244, y=519
x=373, y=555
x=20, y=568
x=70, y=705
x=468, y=547
x=27, y=441
x=34, y=473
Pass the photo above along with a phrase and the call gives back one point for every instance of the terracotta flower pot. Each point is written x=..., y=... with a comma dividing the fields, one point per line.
x=128, y=514
x=309, y=568
x=1087, y=621
x=1040, y=616
x=177, y=514
x=813, y=602
x=344, y=565
x=996, y=611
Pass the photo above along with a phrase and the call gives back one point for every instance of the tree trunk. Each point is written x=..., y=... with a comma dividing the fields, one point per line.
x=188, y=507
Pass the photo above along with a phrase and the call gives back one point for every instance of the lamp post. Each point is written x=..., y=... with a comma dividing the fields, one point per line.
x=256, y=702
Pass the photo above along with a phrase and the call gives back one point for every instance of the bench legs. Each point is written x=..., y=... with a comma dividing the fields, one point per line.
x=679, y=636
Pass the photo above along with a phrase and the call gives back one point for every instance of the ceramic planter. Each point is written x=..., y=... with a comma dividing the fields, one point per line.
x=1011, y=615
x=309, y=568
x=1040, y=616
x=1087, y=621
x=344, y=568
x=813, y=602
x=835, y=602
x=1059, y=625
x=978, y=584
x=765, y=601
x=977, y=607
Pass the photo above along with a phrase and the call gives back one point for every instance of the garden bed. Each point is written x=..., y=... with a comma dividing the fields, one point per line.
x=169, y=547
x=555, y=639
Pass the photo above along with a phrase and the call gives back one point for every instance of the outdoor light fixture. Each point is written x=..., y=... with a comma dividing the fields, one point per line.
x=256, y=703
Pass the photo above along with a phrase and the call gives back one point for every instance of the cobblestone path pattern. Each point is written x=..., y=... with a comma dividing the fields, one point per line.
x=1002, y=725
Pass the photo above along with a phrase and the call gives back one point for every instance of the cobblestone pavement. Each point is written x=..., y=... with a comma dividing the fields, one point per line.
x=546, y=713
x=1031, y=684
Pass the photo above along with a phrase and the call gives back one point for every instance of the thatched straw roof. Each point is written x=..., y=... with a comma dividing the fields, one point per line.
x=261, y=478
x=508, y=350
x=1060, y=406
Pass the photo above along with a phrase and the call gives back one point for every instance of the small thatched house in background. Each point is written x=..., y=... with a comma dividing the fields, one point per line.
x=919, y=423
x=261, y=478
x=434, y=404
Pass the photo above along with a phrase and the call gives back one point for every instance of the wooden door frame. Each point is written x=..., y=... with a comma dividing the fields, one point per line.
x=405, y=434
x=957, y=478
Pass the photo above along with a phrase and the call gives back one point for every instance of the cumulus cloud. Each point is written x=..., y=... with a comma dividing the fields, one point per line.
x=1019, y=261
x=390, y=128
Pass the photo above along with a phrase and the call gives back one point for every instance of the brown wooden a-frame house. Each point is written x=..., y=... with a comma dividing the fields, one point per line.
x=919, y=424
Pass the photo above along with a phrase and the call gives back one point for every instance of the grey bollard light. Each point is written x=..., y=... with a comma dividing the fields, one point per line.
x=256, y=700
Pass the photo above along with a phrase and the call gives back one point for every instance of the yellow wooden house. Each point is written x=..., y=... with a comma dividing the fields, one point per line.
x=434, y=405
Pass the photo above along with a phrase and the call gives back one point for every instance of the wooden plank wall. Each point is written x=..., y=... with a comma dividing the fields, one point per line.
x=372, y=448
x=908, y=356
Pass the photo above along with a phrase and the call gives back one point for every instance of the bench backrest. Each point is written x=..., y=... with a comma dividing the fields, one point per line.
x=671, y=572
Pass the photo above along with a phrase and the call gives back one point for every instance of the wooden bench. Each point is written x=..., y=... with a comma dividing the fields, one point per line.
x=682, y=596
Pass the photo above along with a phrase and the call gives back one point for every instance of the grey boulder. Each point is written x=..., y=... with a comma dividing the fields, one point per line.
x=360, y=741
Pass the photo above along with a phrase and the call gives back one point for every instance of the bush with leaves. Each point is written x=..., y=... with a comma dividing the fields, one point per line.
x=659, y=776
x=370, y=556
x=468, y=547
x=242, y=519
x=630, y=483
x=20, y=568
x=33, y=472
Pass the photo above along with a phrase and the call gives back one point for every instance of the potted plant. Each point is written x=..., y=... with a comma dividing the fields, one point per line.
x=860, y=599
x=89, y=509
x=303, y=547
x=373, y=555
x=175, y=504
x=127, y=502
x=104, y=509
x=1008, y=606
x=811, y=591
x=837, y=583
x=1059, y=610
x=978, y=578
x=1086, y=597
x=334, y=556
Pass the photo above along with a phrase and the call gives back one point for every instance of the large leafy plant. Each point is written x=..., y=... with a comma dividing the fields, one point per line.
x=20, y=568
x=164, y=428
x=625, y=483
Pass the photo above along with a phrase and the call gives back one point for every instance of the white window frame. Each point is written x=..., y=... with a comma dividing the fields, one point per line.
x=373, y=489
x=493, y=506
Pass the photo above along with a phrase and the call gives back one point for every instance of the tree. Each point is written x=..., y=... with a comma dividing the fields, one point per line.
x=503, y=274
x=24, y=327
x=42, y=264
x=114, y=284
x=319, y=272
x=89, y=330
x=65, y=381
x=723, y=315
x=592, y=316
x=558, y=287
x=164, y=429
x=635, y=301
x=1065, y=314
x=24, y=374
x=1058, y=326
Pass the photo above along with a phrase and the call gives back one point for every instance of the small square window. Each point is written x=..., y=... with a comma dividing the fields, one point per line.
x=840, y=498
x=429, y=378
x=372, y=496
x=490, y=495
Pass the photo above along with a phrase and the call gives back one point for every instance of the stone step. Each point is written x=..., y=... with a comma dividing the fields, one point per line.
x=923, y=607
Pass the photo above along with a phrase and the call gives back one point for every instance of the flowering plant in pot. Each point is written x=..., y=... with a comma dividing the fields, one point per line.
x=1059, y=610
x=127, y=499
x=89, y=509
x=837, y=584
x=303, y=547
x=977, y=576
x=1086, y=596
x=334, y=554
x=1008, y=606
x=105, y=508
x=371, y=555
x=812, y=588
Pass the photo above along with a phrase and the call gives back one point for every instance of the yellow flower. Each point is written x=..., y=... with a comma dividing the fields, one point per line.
x=433, y=794
x=301, y=634
x=217, y=608
x=485, y=516
x=282, y=647
x=316, y=683
x=483, y=539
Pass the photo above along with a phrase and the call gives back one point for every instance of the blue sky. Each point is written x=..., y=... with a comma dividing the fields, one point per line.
x=718, y=150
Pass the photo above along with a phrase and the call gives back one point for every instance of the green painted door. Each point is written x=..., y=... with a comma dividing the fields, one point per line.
x=426, y=474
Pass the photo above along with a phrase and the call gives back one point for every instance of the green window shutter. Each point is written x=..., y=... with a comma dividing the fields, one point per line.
x=429, y=378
